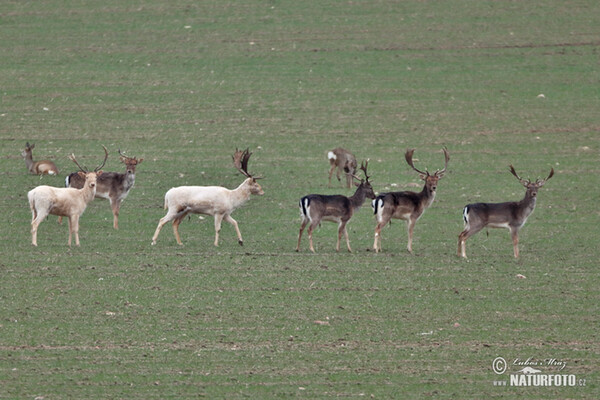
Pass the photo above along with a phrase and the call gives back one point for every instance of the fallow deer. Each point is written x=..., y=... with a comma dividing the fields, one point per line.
x=407, y=205
x=511, y=215
x=210, y=200
x=113, y=186
x=344, y=161
x=67, y=202
x=41, y=167
x=315, y=208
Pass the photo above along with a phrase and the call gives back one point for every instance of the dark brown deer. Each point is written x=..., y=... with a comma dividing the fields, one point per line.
x=67, y=202
x=113, y=186
x=41, y=167
x=510, y=215
x=210, y=200
x=344, y=161
x=315, y=208
x=407, y=205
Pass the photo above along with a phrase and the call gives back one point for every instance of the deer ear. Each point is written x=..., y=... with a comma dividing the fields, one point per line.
x=81, y=174
x=140, y=160
x=99, y=173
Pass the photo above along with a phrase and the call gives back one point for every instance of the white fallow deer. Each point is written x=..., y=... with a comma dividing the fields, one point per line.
x=64, y=202
x=407, y=205
x=344, y=161
x=41, y=167
x=210, y=200
x=315, y=208
x=511, y=215
x=113, y=186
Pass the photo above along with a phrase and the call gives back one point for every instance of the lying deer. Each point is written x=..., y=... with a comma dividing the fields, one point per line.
x=41, y=167
x=113, y=186
x=64, y=202
x=210, y=200
x=344, y=161
x=407, y=205
x=315, y=208
x=511, y=215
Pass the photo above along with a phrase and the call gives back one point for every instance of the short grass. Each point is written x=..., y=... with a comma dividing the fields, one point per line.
x=183, y=83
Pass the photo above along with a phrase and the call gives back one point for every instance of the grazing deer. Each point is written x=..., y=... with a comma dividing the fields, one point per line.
x=407, y=205
x=511, y=215
x=64, y=202
x=113, y=186
x=38, y=167
x=210, y=200
x=315, y=208
x=344, y=161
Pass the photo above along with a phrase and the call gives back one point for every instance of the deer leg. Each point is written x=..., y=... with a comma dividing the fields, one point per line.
x=304, y=222
x=75, y=227
x=514, y=233
x=343, y=227
x=170, y=215
x=237, y=229
x=377, y=242
x=60, y=219
x=36, y=220
x=115, y=205
x=348, y=180
x=218, y=219
x=462, y=239
x=411, y=227
x=331, y=173
x=176, y=223
x=311, y=227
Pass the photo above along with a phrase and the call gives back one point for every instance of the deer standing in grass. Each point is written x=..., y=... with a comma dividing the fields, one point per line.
x=113, y=186
x=407, y=205
x=41, y=167
x=344, y=161
x=315, y=208
x=64, y=202
x=210, y=200
x=511, y=215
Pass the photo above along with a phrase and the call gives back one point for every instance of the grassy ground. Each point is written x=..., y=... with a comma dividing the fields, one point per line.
x=182, y=84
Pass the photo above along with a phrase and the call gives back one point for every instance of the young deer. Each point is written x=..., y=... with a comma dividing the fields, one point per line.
x=511, y=215
x=315, y=208
x=67, y=202
x=210, y=200
x=344, y=161
x=407, y=205
x=38, y=167
x=113, y=186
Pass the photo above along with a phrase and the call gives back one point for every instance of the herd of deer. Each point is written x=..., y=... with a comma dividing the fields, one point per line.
x=83, y=186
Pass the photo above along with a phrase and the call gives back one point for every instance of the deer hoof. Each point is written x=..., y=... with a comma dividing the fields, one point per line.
x=241, y=242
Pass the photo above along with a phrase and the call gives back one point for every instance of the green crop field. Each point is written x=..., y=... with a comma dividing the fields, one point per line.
x=181, y=84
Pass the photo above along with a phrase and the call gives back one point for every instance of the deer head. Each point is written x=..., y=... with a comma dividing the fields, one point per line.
x=240, y=161
x=430, y=180
x=130, y=162
x=532, y=187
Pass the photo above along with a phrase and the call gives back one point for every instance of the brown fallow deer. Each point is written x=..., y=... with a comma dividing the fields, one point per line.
x=41, y=167
x=210, y=200
x=511, y=215
x=64, y=202
x=407, y=205
x=315, y=208
x=342, y=160
x=113, y=186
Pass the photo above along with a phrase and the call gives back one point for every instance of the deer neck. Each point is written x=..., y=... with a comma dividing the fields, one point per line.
x=241, y=194
x=358, y=198
x=29, y=161
x=427, y=195
x=528, y=203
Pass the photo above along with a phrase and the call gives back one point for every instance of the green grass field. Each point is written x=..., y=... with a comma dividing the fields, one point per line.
x=182, y=84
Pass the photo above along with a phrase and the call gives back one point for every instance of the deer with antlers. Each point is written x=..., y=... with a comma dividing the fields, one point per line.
x=342, y=160
x=210, y=200
x=113, y=186
x=42, y=167
x=407, y=205
x=510, y=215
x=64, y=202
x=315, y=208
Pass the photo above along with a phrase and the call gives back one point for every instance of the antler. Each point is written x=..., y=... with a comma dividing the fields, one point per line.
x=240, y=160
x=72, y=158
x=409, y=155
x=364, y=166
x=523, y=181
x=541, y=183
x=441, y=173
x=103, y=162
x=127, y=157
